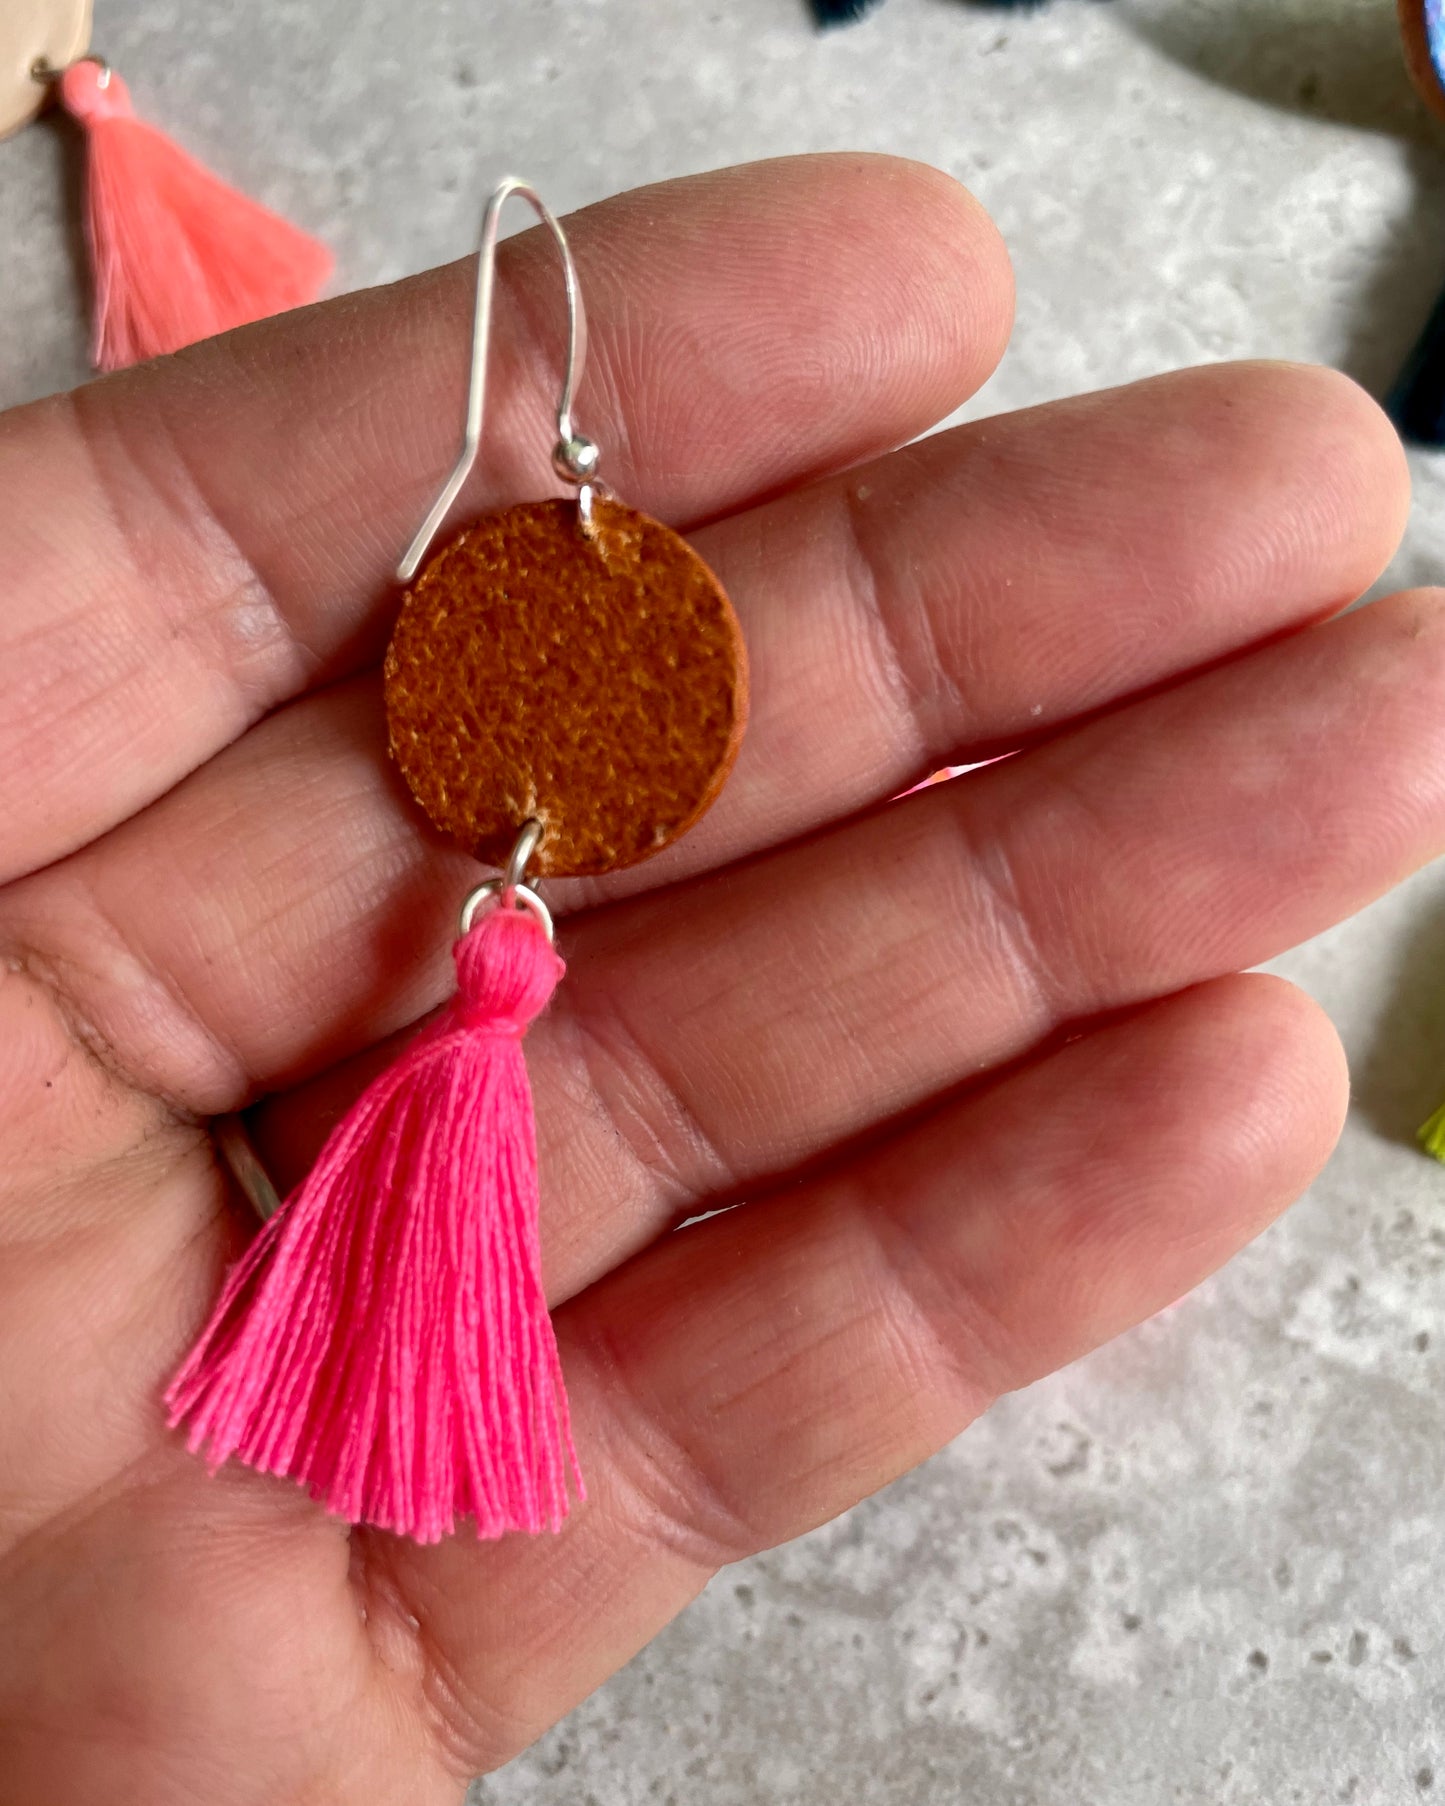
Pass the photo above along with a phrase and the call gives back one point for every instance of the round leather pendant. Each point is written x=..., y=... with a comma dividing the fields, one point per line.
x=595, y=679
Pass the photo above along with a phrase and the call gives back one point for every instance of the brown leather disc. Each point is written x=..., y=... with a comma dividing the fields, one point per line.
x=595, y=680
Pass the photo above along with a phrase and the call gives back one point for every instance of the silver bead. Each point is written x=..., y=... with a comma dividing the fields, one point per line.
x=576, y=459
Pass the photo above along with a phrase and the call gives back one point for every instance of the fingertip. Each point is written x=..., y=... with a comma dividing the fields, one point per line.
x=1121, y=1170
x=1418, y=614
x=956, y=271
x=1237, y=1088
x=1351, y=480
x=843, y=300
x=1275, y=1048
x=1387, y=782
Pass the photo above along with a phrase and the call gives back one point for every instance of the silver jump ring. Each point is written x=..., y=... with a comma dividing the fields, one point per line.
x=41, y=71
x=521, y=896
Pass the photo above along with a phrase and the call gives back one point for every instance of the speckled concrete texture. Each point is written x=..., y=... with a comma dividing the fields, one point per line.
x=1205, y=1565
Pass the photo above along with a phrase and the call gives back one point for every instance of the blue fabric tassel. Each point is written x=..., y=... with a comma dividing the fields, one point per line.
x=842, y=12
x=1416, y=404
x=849, y=12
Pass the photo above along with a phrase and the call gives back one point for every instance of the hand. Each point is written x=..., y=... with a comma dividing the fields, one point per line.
x=973, y=1065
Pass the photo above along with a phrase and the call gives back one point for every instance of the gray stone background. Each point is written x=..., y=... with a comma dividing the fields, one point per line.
x=1204, y=1565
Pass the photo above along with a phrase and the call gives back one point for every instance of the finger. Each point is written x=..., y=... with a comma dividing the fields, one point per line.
x=734, y=1027
x=752, y=1377
x=189, y=544
x=987, y=584
x=304, y=831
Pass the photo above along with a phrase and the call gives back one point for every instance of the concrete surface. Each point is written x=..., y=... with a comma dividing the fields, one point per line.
x=1204, y=1565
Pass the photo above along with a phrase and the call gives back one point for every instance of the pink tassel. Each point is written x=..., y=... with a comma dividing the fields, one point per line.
x=176, y=254
x=385, y=1340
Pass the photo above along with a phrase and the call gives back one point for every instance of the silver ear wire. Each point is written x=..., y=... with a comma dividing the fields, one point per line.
x=574, y=457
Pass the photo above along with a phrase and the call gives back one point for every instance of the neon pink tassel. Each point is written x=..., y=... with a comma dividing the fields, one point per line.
x=385, y=1340
x=176, y=254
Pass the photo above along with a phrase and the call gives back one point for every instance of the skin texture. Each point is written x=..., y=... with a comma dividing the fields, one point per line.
x=975, y=1067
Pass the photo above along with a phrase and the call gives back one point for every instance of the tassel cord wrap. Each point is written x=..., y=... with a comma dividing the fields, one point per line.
x=385, y=1340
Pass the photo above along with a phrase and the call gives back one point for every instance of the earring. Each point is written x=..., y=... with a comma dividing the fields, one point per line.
x=176, y=255
x=566, y=691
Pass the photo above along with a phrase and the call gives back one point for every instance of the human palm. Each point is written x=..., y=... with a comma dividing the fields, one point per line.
x=972, y=1066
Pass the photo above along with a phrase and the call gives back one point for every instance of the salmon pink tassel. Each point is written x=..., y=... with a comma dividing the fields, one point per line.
x=176, y=254
x=385, y=1340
